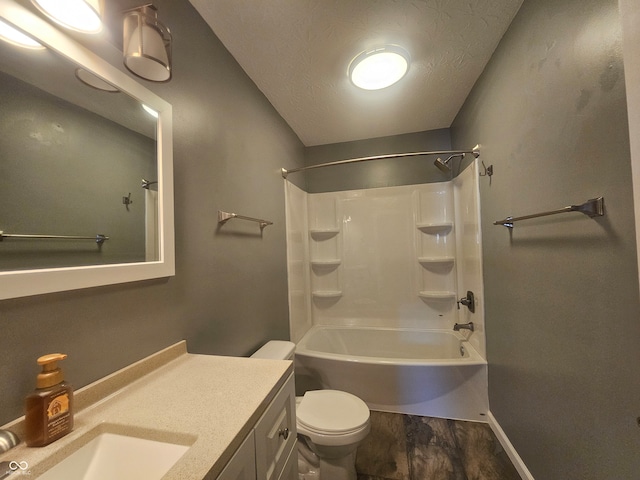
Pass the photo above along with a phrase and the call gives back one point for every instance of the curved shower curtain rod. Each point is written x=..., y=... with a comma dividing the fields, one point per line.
x=474, y=151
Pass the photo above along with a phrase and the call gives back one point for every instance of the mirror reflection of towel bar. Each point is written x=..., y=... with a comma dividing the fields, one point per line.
x=592, y=208
x=99, y=239
x=224, y=217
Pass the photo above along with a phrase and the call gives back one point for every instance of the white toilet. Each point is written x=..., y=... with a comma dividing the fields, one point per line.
x=330, y=423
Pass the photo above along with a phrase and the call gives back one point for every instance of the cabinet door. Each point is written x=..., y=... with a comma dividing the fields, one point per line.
x=276, y=434
x=242, y=465
x=290, y=470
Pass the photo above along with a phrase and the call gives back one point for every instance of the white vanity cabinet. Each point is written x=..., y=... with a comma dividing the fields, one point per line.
x=239, y=426
x=268, y=452
x=242, y=465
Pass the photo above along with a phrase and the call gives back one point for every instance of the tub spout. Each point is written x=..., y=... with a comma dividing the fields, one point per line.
x=459, y=326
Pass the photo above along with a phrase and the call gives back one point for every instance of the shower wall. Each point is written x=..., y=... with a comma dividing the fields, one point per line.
x=297, y=260
x=392, y=257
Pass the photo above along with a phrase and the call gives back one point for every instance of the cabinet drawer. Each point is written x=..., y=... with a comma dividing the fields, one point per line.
x=276, y=433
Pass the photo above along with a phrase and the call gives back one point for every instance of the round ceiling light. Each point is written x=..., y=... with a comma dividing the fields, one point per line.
x=80, y=15
x=379, y=68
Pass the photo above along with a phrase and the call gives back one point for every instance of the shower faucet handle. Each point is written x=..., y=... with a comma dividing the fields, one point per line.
x=469, y=301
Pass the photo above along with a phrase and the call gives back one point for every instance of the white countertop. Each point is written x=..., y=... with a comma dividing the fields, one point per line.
x=208, y=402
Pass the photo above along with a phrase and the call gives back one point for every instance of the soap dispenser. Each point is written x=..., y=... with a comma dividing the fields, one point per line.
x=49, y=409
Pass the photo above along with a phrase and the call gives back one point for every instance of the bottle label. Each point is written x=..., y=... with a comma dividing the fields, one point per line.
x=58, y=416
x=58, y=406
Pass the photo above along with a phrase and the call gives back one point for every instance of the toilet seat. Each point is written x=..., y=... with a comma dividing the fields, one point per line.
x=332, y=417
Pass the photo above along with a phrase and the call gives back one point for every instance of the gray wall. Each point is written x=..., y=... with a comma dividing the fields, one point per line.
x=230, y=291
x=377, y=173
x=562, y=309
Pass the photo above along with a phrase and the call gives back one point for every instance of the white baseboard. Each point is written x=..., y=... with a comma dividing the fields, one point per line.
x=508, y=447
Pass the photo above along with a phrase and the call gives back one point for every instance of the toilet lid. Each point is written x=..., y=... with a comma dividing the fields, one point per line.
x=332, y=411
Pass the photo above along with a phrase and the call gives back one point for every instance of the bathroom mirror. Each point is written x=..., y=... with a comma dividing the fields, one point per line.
x=86, y=180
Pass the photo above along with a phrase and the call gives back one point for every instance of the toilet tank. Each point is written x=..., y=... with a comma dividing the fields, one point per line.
x=276, y=350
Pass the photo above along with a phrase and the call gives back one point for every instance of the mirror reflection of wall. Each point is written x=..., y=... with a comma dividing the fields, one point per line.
x=65, y=171
x=68, y=155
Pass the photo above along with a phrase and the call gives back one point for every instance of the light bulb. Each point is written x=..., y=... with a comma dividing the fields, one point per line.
x=80, y=15
x=379, y=68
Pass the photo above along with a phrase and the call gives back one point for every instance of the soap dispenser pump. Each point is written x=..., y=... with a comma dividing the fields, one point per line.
x=49, y=409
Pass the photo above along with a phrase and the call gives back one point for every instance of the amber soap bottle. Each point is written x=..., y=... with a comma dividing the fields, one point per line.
x=49, y=409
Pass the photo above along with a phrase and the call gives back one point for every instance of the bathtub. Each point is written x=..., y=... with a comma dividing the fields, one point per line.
x=434, y=373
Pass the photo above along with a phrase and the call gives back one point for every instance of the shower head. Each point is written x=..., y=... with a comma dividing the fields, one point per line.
x=443, y=165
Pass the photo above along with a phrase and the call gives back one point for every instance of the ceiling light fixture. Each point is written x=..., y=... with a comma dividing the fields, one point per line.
x=379, y=68
x=14, y=36
x=147, y=44
x=94, y=81
x=81, y=15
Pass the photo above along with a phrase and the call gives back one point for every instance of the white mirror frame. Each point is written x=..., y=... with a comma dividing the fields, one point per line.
x=629, y=15
x=21, y=283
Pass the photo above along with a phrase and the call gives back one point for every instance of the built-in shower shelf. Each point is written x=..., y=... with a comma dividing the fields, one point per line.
x=327, y=293
x=326, y=263
x=323, y=233
x=435, y=295
x=445, y=261
x=441, y=227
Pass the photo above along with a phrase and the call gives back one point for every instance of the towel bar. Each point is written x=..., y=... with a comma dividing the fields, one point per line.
x=99, y=239
x=593, y=208
x=224, y=217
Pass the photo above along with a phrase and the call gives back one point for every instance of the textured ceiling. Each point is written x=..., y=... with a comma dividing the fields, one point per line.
x=297, y=52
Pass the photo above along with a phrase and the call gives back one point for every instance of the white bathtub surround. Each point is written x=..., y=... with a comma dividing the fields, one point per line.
x=298, y=267
x=386, y=257
x=466, y=195
x=392, y=257
x=152, y=245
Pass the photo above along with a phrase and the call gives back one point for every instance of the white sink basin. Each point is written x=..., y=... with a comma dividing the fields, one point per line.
x=110, y=456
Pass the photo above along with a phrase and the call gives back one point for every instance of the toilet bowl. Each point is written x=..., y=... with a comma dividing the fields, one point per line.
x=330, y=423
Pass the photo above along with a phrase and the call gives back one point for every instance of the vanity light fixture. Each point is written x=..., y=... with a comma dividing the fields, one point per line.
x=15, y=37
x=147, y=44
x=379, y=68
x=81, y=15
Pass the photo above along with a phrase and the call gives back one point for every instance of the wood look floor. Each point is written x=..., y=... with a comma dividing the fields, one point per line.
x=409, y=447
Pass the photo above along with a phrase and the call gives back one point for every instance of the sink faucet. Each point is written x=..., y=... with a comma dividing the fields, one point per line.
x=8, y=440
x=459, y=326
